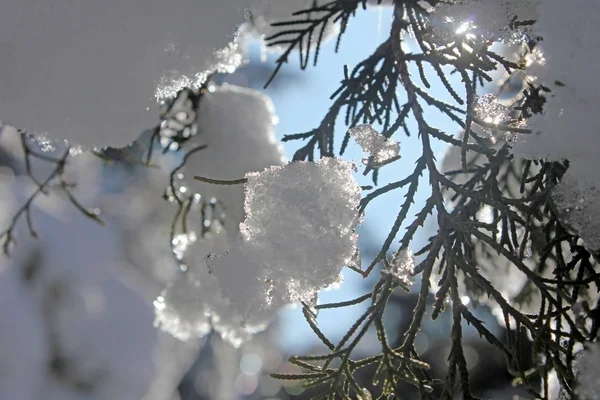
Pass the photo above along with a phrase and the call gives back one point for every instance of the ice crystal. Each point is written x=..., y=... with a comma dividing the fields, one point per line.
x=378, y=149
x=489, y=109
x=401, y=266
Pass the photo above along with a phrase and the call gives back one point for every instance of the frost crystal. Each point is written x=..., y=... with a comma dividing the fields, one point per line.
x=378, y=149
x=489, y=109
x=401, y=267
x=298, y=234
x=489, y=112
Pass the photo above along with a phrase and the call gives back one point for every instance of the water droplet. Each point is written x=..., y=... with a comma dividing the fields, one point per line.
x=159, y=303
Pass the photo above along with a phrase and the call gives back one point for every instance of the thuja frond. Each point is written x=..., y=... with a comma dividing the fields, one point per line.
x=339, y=379
x=522, y=230
x=306, y=32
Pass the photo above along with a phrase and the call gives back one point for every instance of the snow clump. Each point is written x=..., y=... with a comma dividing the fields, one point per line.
x=298, y=233
x=378, y=149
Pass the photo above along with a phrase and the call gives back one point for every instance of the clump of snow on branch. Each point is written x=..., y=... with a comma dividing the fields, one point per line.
x=494, y=119
x=192, y=304
x=567, y=128
x=401, y=267
x=489, y=109
x=378, y=149
x=317, y=204
x=121, y=58
x=488, y=20
x=238, y=126
x=183, y=308
x=298, y=234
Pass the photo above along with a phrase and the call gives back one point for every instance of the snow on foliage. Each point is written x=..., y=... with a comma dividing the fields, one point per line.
x=567, y=128
x=193, y=304
x=401, y=267
x=483, y=19
x=90, y=72
x=490, y=114
x=298, y=234
x=378, y=149
x=489, y=109
x=238, y=126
